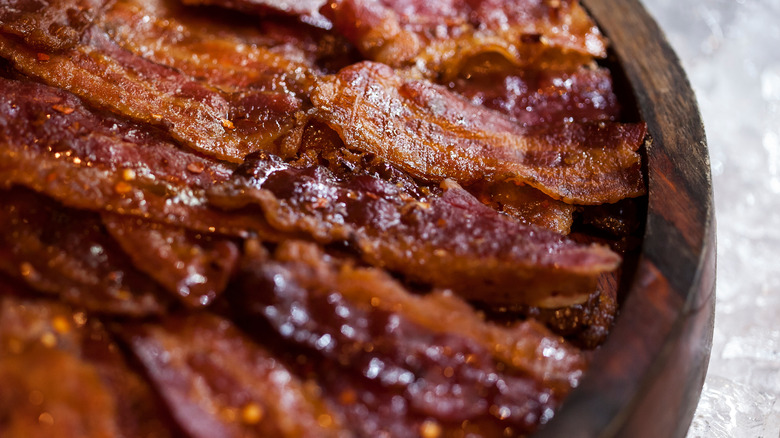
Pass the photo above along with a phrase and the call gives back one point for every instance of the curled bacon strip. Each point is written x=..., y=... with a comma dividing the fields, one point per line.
x=217, y=383
x=434, y=134
x=440, y=38
x=449, y=240
x=107, y=77
x=432, y=354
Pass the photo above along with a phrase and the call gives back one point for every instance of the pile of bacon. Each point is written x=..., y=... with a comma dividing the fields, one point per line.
x=233, y=218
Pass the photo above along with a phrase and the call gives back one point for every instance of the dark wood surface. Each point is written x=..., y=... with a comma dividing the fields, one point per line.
x=646, y=380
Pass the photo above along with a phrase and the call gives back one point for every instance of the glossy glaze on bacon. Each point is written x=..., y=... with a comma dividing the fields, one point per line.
x=269, y=218
x=434, y=134
x=433, y=353
x=441, y=38
x=449, y=239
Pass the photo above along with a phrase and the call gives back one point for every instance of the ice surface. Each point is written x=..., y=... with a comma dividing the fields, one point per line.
x=731, y=51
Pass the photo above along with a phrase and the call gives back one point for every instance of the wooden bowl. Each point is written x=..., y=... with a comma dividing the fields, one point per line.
x=646, y=379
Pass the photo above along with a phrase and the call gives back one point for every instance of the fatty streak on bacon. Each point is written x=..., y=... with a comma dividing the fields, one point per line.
x=440, y=38
x=535, y=98
x=434, y=134
x=107, y=77
x=217, y=383
x=194, y=268
x=49, y=25
x=450, y=240
x=52, y=144
x=67, y=253
x=432, y=354
x=62, y=372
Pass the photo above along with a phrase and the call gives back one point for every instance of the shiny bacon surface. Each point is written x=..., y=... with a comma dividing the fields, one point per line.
x=344, y=218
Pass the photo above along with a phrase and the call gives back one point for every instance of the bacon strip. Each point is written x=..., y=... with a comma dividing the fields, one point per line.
x=67, y=253
x=50, y=143
x=440, y=38
x=217, y=383
x=63, y=376
x=227, y=55
x=541, y=97
x=192, y=267
x=449, y=240
x=110, y=78
x=434, y=134
x=433, y=353
x=528, y=205
x=49, y=25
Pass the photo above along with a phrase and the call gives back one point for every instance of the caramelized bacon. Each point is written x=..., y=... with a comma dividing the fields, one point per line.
x=217, y=383
x=528, y=205
x=107, y=77
x=432, y=354
x=193, y=267
x=50, y=143
x=440, y=38
x=63, y=376
x=540, y=97
x=227, y=55
x=449, y=240
x=434, y=134
x=48, y=25
x=67, y=253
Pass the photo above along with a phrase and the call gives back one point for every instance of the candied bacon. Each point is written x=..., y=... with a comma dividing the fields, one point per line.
x=440, y=38
x=193, y=267
x=224, y=54
x=217, y=383
x=448, y=240
x=49, y=25
x=101, y=163
x=539, y=97
x=108, y=77
x=62, y=372
x=68, y=253
x=433, y=353
x=434, y=134
x=526, y=204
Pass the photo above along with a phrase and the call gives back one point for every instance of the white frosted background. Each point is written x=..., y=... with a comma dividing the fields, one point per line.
x=731, y=52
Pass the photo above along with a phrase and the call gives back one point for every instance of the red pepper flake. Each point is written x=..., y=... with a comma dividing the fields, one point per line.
x=43, y=57
x=321, y=203
x=122, y=188
x=196, y=167
x=227, y=124
x=63, y=109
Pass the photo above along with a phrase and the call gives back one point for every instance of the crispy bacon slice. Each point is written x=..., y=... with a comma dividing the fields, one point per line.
x=107, y=77
x=439, y=38
x=63, y=376
x=228, y=55
x=217, y=383
x=434, y=134
x=49, y=25
x=193, y=267
x=433, y=353
x=541, y=97
x=50, y=143
x=449, y=240
x=528, y=205
x=67, y=253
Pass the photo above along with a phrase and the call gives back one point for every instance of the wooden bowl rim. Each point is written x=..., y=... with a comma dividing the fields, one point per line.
x=665, y=326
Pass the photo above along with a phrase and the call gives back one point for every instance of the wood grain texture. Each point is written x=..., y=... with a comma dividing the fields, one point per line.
x=646, y=380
